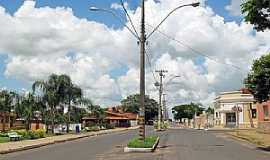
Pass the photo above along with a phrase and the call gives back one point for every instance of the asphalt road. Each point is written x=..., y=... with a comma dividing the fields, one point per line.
x=174, y=145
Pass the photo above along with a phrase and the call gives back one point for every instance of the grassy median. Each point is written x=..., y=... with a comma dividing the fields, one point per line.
x=148, y=143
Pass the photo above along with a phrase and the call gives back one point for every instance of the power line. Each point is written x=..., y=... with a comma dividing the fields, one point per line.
x=196, y=51
x=129, y=18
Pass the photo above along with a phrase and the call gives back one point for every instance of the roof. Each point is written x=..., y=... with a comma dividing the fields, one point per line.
x=115, y=116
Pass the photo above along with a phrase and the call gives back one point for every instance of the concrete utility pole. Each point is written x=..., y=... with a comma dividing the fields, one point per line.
x=162, y=75
x=165, y=110
x=142, y=74
x=142, y=38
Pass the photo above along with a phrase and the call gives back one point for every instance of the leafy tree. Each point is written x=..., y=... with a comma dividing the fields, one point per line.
x=258, y=78
x=257, y=12
x=51, y=94
x=187, y=111
x=210, y=110
x=69, y=94
x=6, y=105
x=27, y=109
x=132, y=104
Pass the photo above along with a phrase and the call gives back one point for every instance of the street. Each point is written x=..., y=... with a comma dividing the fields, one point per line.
x=176, y=144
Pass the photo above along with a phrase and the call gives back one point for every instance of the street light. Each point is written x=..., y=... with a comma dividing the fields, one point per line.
x=156, y=28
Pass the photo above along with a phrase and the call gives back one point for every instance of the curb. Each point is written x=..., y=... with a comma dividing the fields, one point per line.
x=142, y=150
x=62, y=141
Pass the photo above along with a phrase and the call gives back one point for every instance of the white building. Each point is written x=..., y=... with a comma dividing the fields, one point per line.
x=226, y=115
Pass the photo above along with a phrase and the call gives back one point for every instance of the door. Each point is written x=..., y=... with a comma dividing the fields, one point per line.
x=230, y=120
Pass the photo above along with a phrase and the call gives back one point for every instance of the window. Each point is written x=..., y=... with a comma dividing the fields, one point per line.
x=266, y=112
x=254, y=113
x=216, y=114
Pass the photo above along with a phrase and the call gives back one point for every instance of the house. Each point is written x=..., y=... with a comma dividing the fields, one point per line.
x=115, y=116
x=34, y=124
x=264, y=116
x=5, y=120
x=235, y=109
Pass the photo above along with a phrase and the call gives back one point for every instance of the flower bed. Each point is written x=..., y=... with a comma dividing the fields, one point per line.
x=137, y=145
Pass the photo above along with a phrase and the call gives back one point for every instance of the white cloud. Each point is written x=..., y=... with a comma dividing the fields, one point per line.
x=119, y=6
x=234, y=7
x=41, y=41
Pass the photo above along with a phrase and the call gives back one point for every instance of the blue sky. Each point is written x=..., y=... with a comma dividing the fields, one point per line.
x=81, y=9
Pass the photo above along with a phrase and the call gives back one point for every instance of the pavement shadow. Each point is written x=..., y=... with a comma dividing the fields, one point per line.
x=264, y=148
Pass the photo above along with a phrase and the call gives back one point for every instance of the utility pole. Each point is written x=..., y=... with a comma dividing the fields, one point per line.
x=142, y=74
x=165, y=111
x=162, y=75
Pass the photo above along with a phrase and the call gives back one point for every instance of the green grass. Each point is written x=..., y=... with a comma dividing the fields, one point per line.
x=148, y=143
x=4, y=139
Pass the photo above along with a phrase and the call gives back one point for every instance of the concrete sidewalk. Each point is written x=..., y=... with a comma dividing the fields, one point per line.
x=10, y=147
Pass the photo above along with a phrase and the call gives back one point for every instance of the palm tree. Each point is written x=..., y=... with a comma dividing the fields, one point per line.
x=51, y=94
x=6, y=105
x=69, y=94
x=28, y=107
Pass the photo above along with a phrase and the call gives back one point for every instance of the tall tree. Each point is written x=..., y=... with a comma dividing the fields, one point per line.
x=51, y=94
x=257, y=12
x=6, y=105
x=258, y=79
x=132, y=104
x=27, y=109
x=70, y=94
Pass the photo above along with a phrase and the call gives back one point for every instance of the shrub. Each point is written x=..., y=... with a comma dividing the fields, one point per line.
x=23, y=133
x=3, y=135
x=109, y=126
x=41, y=133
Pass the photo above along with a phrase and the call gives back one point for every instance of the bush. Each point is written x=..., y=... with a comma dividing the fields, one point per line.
x=40, y=133
x=109, y=126
x=23, y=133
x=3, y=135
x=148, y=143
x=93, y=128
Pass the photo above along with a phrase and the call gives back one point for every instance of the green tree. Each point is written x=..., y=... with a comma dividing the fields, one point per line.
x=27, y=109
x=258, y=78
x=132, y=104
x=210, y=110
x=70, y=94
x=257, y=12
x=7, y=104
x=187, y=111
x=51, y=93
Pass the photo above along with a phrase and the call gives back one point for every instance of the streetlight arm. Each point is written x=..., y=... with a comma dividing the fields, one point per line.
x=117, y=17
x=156, y=28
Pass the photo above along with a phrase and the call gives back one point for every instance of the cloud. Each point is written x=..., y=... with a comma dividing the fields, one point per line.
x=118, y=6
x=234, y=7
x=43, y=40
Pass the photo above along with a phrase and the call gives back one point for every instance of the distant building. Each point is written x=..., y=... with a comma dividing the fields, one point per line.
x=5, y=120
x=115, y=116
x=264, y=116
x=235, y=107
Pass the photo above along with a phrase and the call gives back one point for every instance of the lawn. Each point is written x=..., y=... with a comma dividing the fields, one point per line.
x=253, y=136
x=4, y=139
x=148, y=143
